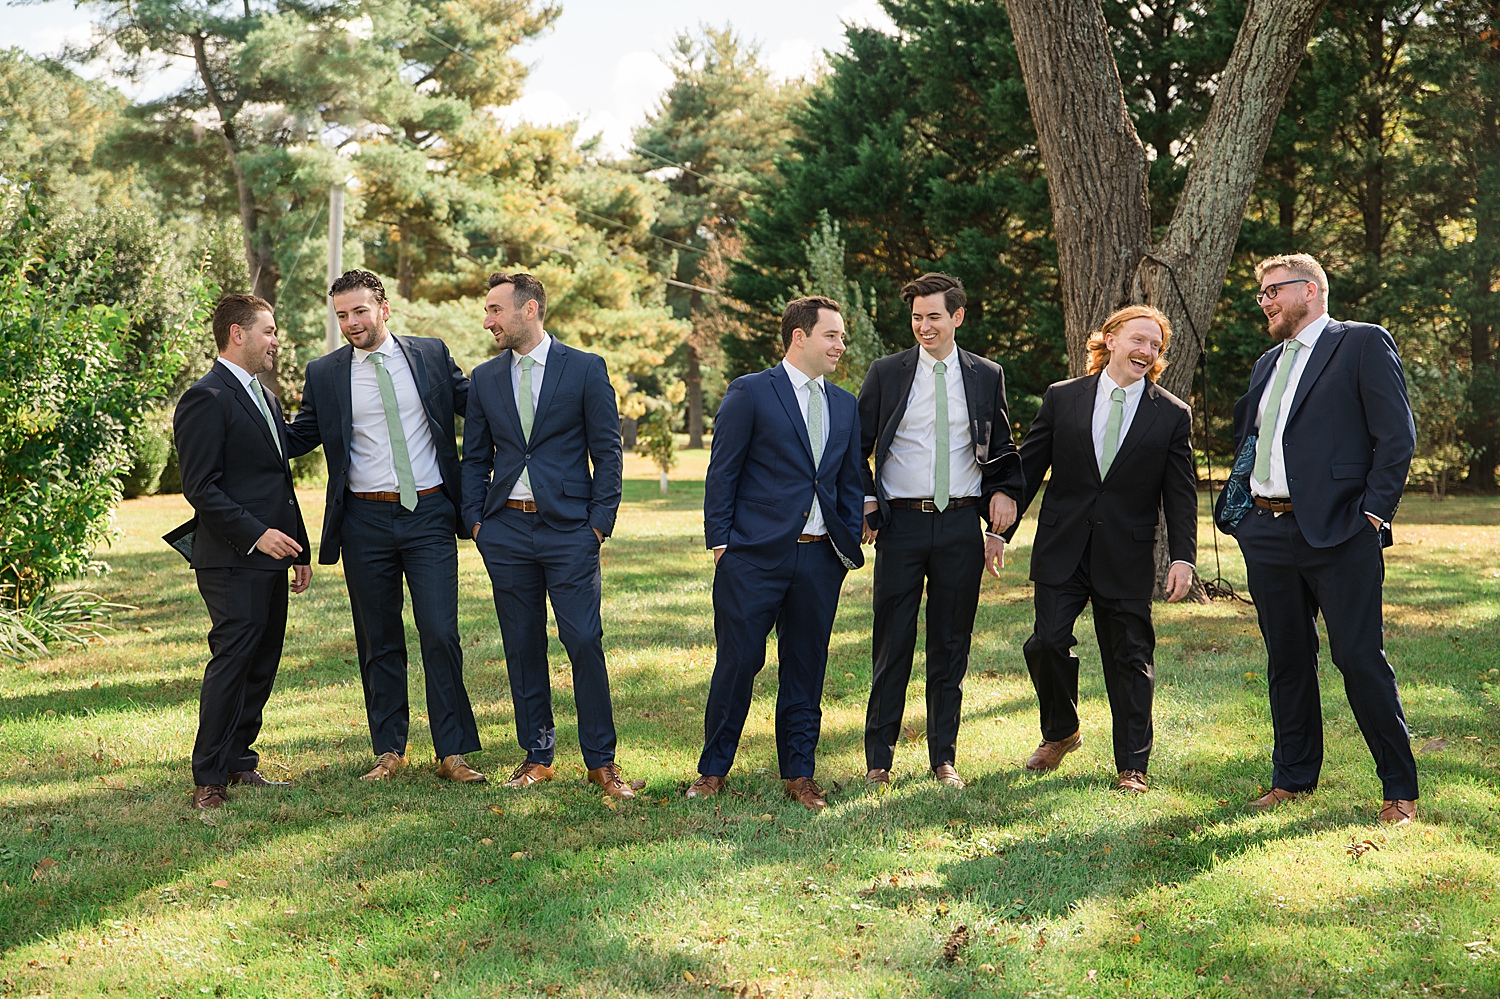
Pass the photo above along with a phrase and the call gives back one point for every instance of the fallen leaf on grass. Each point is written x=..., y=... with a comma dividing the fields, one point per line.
x=637, y=785
x=496, y=809
x=1357, y=850
x=689, y=976
x=956, y=942
x=911, y=733
x=486, y=842
x=43, y=866
x=221, y=883
x=767, y=817
x=1434, y=746
x=609, y=803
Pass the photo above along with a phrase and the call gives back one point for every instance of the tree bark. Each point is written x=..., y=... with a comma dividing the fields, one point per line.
x=694, y=379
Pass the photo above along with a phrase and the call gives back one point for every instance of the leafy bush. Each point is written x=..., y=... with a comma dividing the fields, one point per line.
x=50, y=619
x=74, y=377
x=150, y=445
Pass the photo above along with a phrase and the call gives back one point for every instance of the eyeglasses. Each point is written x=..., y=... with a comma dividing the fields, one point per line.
x=1268, y=293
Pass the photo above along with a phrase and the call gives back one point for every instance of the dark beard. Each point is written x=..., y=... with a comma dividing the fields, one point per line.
x=1286, y=328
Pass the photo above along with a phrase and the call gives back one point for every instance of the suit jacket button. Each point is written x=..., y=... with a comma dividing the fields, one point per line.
x=291, y=502
x=804, y=513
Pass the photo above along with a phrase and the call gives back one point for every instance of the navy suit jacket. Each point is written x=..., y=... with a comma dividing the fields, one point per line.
x=232, y=474
x=327, y=418
x=761, y=479
x=576, y=421
x=1349, y=434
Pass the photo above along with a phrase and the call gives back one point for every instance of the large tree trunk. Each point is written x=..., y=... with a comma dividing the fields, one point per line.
x=1097, y=171
x=694, y=379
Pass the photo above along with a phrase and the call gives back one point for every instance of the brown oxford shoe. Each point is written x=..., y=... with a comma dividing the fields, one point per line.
x=529, y=773
x=946, y=774
x=253, y=778
x=1273, y=798
x=1398, y=811
x=1132, y=780
x=608, y=777
x=878, y=779
x=706, y=786
x=1049, y=754
x=455, y=769
x=210, y=796
x=806, y=792
x=389, y=765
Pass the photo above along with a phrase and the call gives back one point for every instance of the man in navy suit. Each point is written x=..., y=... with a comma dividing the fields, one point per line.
x=538, y=415
x=782, y=511
x=1334, y=440
x=382, y=407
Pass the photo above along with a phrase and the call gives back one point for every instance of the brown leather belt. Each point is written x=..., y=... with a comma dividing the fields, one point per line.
x=393, y=497
x=807, y=539
x=927, y=506
x=1274, y=505
x=526, y=506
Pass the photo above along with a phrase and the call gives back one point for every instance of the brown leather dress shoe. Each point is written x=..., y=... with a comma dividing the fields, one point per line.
x=253, y=778
x=528, y=774
x=706, y=786
x=1273, y=798
x=389, y=765
x=947, y=775
x=1132, y=780
x=455, y=769
x=1049, y=754
x=878, y=779
x=210, y=795
x=806, y=792
x=608, y=777
x=1398, y=811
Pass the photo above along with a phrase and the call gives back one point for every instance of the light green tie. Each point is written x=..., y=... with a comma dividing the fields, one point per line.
x=528, y=409
x=265, y=410
x=815, y=423
x=1273, y=410
x=1112, y=430
x=940, y=458
x=405, y=481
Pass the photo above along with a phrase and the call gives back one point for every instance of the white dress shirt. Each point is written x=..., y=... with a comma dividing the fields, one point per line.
x=802, y=387
x=521, y=491
x=240, y=373
x=1276, y=486
x=1107, y=386
x=372, y=463
x=909, y=469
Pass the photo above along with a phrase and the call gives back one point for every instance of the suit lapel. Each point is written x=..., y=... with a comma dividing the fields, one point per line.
x=552, y=373
x=906, y=374
x=836, y=418
x=788, y=396
x=418, y=365
x=981, y=419
x=1146, y=412
x=508, y=396
x=242, y=393
x=1083, y=413
x=1328, y=342
x=343, y=393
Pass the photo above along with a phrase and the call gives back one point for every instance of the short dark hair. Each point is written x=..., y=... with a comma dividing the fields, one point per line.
x=524, y=288
x=236, y=310
x=930, y=284
x=352, y=280
x=802, y=314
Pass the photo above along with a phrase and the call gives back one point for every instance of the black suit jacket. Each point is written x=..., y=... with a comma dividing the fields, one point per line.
x=327, y=418
x=1349, y=435
x=882, y=404
x=1153, y=470
x=577, y=421
x=232, y=474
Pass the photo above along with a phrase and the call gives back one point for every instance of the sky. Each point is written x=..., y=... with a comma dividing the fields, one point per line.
x=600, y=64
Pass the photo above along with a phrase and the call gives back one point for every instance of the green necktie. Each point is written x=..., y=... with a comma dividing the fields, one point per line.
x=815, y=422
x=1112, y=430
x=265, y=410
x=1273, y=410
x=528, y=409
x=405, y=481
x=940, y=459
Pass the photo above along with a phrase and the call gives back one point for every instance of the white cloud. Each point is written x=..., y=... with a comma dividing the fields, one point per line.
x=867, y=14
x=794, y=57
x=635, y=87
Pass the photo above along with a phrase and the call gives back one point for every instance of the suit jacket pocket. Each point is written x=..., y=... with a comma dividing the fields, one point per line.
x=1144, y=532
x=1047, y=518
x=578, y=488
x=1160, y=449
x=1351, y=471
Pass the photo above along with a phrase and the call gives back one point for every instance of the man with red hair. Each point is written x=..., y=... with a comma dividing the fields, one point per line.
x=1120, y=449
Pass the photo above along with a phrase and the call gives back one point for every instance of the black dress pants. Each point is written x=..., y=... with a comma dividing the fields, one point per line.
x=1291, y=582
x=383, y=542
x=1127, y=643
x=247, y=608
x=946, y=550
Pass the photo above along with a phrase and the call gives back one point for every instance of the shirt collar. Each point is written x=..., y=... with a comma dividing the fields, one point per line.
x=1313, y=330
x=1107, y=385
x=927, y=360
x=238, y=372
x=800, y=379
x=386, y=349
x=538, y=353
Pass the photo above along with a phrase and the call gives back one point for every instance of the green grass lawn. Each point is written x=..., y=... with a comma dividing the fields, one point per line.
x=111, y=885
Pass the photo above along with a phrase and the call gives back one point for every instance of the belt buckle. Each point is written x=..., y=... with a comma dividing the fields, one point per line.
x=929, y=506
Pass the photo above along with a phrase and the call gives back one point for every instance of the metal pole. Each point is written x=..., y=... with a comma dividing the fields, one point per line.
x=335, y=259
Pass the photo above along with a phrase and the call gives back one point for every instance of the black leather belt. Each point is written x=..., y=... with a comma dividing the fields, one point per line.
x=927, y=506
x=1274, y=505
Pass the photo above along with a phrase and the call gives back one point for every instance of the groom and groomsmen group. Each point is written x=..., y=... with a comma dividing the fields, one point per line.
x=922, y=465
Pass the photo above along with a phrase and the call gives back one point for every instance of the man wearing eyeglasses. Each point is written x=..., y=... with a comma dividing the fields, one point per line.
x=1334, y=438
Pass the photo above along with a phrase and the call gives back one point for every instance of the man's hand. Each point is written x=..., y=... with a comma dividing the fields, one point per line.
x=1179, y=581
x=476, y=532
x=301, y=577
x=1374, y=520
x=869, y=537
x=598, y=534
x=994, y=554
x=278, y=545
x=1002, y=512
x=718, y=554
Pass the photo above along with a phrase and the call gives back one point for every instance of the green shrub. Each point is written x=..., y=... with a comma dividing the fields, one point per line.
x=150, y=445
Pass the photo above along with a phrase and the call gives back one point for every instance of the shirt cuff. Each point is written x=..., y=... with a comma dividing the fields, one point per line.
x=1377, y=517
x=992, y=534
x=718, y=548
x=1185, y=562
x=871, y=499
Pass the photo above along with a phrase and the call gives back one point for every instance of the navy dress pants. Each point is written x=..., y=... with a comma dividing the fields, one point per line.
x=383, y=542
x=248, y=610
x=800, y=598
x=1291, y=581
x=528, y=562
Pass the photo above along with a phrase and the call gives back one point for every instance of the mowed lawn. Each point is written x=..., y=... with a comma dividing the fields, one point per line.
x=112, y=886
